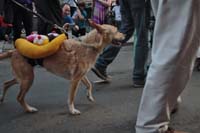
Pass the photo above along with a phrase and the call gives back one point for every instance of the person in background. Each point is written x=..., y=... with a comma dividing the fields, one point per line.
x=72, y=5
x=117, y=13
x=51, y=10
x=66, y=13
x=133, y=19
x=5, y=29
x=80, y=17
x=175, y=44
x=100, y=8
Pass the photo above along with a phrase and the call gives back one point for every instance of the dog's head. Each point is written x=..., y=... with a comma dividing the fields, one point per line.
x=107, y=32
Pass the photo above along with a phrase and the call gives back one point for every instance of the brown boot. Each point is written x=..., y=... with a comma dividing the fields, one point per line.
x=170, y=130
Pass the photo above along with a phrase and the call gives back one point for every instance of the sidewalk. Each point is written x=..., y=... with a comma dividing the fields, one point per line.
x=4, y=46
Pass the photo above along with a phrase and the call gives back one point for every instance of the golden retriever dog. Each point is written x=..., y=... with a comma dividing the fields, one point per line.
x=72, y=61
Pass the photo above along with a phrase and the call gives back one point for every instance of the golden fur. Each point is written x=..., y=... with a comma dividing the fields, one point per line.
x=72, y=61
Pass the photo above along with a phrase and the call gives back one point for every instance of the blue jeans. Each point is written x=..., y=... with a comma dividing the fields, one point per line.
x=107, y=57
x=141, y=46
x=134, y=21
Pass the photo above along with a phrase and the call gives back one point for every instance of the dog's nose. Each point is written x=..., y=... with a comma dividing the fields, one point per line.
x=123, y=36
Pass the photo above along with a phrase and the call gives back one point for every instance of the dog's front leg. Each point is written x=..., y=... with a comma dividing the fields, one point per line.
x=73, y=89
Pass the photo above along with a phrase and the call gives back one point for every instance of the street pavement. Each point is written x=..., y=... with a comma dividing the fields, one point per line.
x=114, y=110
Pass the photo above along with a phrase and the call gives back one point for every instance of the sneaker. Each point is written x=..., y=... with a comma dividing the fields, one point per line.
x=138, y=83
x=101, y=73
x=170, y=130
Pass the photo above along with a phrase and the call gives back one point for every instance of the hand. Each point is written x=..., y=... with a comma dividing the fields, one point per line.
x=76, y=27
x=66, y=26
x=117, y=42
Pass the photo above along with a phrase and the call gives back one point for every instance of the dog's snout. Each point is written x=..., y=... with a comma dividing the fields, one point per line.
x=123, y=36
x=120, y=36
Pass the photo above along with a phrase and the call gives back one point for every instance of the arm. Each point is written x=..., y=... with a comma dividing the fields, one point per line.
x=105, y=3
x=78, y=15
x=127, y=26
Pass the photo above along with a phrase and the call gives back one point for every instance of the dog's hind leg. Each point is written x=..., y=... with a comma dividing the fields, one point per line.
x=88, y=84
x=6, y=86
x=24, y=87
x=73, y=89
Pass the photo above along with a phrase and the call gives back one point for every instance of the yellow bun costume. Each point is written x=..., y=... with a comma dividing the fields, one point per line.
x=33, y=51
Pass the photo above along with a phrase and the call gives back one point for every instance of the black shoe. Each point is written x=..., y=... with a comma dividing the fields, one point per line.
x=171, y=130
x=101, y=73
x=138, y=83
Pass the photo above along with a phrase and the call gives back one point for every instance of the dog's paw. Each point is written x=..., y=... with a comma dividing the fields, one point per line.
x=75, y=112
x=31, y=110
x=90, y=98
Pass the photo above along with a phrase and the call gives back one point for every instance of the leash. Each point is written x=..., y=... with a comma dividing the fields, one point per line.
x=62, y=29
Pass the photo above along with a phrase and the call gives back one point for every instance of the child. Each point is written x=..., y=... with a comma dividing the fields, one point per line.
x=80, y=19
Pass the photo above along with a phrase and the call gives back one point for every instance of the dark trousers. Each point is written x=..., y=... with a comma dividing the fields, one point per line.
x=141, y=46
x=22, y=18
x=51, y=10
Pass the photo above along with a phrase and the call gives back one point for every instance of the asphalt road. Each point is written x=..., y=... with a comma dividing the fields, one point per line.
x=114, y=111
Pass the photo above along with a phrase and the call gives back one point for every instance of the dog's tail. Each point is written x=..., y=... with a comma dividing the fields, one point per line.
x=6, y=54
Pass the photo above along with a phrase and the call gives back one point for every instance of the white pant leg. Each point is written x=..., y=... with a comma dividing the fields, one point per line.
x=174, y=49
x=154, y=5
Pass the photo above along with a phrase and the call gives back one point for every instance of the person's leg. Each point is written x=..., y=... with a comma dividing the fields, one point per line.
x=51, y=10
x=104, y=59
x=110, y=52
x=28, y=20
x=154, y=5
x=2, y=33
x=17, y=22
x=140, y=49
x=42, y=8
x=174, y=49
x=108, y=55
x=42, y=27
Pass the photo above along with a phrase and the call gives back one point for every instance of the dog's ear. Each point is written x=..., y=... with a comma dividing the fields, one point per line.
x=95, y=25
